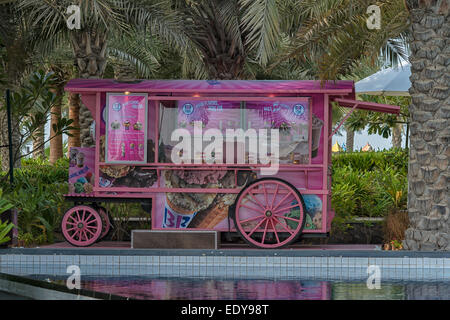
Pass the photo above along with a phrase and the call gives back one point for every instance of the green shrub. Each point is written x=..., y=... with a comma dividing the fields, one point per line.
x=396, y=159
x=5, y=227
x=369, y=184
x=36, y=171
x=39, y=208
x=37, y=195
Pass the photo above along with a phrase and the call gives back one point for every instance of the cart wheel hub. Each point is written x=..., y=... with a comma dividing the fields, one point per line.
x=80, y=226
x=268, y=213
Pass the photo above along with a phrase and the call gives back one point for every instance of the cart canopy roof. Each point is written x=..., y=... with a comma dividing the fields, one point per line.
x=217, y=86
x=342, y=90
x=365, y=105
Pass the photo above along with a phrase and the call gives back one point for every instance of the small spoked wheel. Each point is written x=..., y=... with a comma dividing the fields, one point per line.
x=106, y=221
x=81, y=226
x=269, y=213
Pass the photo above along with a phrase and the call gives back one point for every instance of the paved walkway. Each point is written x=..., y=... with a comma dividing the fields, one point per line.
x=9, y=296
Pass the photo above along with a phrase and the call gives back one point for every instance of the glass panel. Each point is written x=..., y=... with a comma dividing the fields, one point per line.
x=184, y=114
x=126, y=128
x=291, y=118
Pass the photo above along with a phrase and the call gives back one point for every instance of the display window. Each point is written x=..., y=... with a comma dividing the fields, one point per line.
x=126, y=128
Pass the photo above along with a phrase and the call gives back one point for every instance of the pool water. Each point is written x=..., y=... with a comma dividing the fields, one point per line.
x=216, y=289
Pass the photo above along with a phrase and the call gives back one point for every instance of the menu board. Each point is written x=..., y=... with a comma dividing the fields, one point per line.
x=126, y=128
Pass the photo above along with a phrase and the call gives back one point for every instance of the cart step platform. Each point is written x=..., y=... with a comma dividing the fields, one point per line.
x=174, y=239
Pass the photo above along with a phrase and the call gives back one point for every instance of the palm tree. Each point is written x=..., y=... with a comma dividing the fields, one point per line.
x=140, y=55
x=332, y=38
x=57, y=60
x=38, y=142
x=225, y=35
x=62, y=74
x=349, y=139
x=88, y=44
x=14, y=53
x=220, y=39
x=334, y=35
x=382, y=123
x=74, y=102
x=99, y=19
x=428, y=175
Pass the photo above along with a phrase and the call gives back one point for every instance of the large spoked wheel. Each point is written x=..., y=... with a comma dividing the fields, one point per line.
x=269, y=213
x=106, y=221
x=81, y=226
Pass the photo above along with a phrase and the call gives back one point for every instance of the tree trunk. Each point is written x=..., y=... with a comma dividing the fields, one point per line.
x=350, y=139
x=90, y=53
x=397, y=135
x=74, y=114
x=16, y=140
x=222, y=49
x=124, y=71
x=56, y=143
x=86, y=121
x=225, y=67
x=14, y=67
x=38, y=143
x=428, y=175
x=4, y=151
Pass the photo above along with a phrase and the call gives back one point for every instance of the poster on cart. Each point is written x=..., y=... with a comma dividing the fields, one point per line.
x=209, y=211
x=126, y=128
x=81, y=170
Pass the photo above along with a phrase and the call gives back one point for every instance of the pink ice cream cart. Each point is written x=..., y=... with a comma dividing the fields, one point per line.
x=247, y=157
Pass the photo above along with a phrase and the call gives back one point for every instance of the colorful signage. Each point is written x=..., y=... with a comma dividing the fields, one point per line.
x=126, y=128
x=81, y=170
x=220, y=115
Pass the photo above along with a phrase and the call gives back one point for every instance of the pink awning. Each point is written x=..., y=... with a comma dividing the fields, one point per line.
x=364, y=105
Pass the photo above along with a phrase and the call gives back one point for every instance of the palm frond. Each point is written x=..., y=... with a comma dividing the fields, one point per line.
x=51, y=15
x=395, y=51
x=143, y=52
x=292, y=15
x=335, y=34
x=47, y=15
x=193, y=66
x=261, y=25
x=158, y=18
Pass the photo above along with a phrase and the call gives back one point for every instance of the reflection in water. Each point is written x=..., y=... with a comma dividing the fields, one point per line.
x=249, y=289
x=359, y=291
x=428, y=291
x=209, y=289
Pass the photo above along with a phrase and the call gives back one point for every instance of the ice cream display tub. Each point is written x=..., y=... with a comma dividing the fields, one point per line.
x=251, y=158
